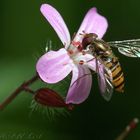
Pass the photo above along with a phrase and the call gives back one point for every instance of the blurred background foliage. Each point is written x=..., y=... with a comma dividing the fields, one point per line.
x=24, y=34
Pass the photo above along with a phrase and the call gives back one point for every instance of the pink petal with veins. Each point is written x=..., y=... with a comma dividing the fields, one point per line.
x=92, y=23
x=57, y=22
x=54, y=66
x=80, y=85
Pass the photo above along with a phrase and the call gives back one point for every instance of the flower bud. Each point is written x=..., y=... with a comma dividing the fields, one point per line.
x=50, y=98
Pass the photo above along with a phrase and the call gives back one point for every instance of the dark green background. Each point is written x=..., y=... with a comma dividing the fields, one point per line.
x=24, y=33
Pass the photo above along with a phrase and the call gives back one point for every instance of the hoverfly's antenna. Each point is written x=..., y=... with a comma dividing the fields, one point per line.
x=83, y=33
x=131, y=126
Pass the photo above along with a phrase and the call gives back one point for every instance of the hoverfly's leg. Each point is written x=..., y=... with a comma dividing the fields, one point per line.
x=107, y=76
x=97, y=66
x=87, y=51
x=91, y=59
x=93, y=72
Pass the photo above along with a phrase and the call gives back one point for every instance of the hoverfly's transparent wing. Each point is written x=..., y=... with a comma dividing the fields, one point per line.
x=104, y=80
x=130, y=48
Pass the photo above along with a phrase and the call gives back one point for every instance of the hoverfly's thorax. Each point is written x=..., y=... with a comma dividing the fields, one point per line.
x=103, y=49
x=98, y=48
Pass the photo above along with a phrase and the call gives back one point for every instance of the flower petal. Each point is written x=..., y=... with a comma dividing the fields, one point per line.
x=57, y=22
x=92, y=64
x=80, y=85
x=92, y=23
x=54, y=66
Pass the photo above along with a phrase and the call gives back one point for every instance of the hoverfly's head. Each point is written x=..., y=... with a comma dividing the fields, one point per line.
x=88, y=39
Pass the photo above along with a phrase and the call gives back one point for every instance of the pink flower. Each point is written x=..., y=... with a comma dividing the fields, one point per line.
x=54, y=66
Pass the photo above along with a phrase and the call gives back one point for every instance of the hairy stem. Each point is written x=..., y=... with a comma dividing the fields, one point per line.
x=22, y=87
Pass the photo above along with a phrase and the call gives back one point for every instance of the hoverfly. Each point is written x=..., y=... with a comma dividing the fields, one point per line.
x=110, y=76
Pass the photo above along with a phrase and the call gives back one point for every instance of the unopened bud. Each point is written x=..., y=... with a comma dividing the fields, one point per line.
x=50, y=98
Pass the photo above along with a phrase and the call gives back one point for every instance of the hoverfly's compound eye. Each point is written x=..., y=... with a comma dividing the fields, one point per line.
x=88, y=39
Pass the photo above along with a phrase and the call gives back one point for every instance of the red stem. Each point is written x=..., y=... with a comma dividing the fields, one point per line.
x=22, y=87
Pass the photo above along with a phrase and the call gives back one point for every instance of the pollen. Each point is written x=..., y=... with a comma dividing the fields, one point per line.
x=76, y=43
x=70, y=52
x=81, y=62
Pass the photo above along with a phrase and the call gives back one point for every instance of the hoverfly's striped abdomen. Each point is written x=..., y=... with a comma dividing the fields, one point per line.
x=102, y=51
x=117, y=74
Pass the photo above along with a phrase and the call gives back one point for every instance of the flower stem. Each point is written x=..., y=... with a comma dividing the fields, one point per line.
x=131, y=126
x=22, y=87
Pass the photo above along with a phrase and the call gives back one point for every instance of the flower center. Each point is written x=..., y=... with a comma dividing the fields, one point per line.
x=77, y=57
x=77, y=53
